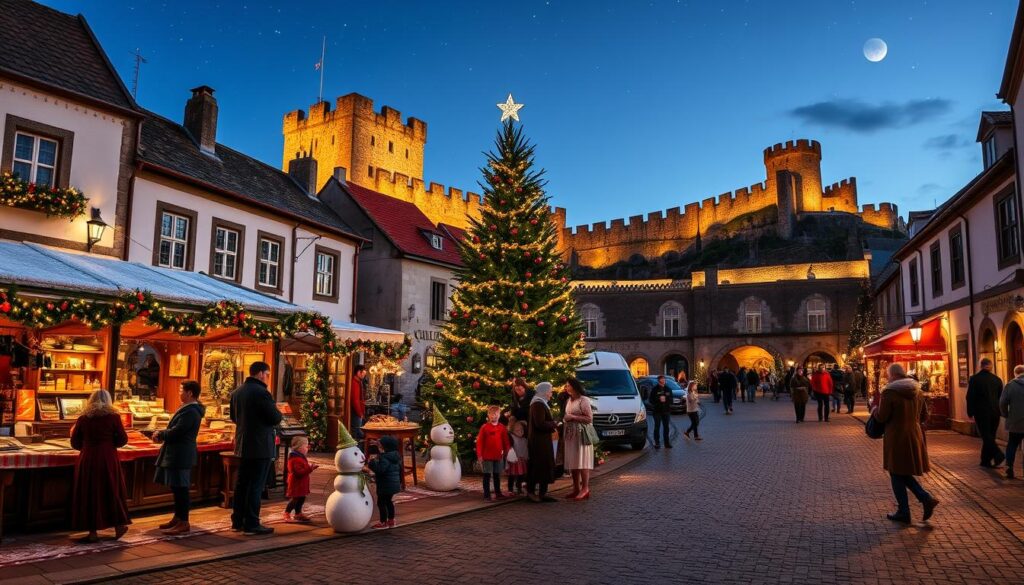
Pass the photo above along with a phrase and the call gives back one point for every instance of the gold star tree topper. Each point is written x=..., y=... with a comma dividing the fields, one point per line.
x=510, y=109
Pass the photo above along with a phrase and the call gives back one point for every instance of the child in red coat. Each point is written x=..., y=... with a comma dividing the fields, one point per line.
x=299, y=470
x=492, y=445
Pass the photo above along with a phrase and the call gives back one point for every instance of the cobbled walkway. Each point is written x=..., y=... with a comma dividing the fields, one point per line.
x=761, y=500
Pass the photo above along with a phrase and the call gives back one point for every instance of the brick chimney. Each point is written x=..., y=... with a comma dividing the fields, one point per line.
x=201, y=118
x=340, y=173
x=303, y=170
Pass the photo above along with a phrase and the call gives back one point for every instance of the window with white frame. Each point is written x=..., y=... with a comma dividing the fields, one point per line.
x=752, y=316
x=815, y=315
x=35, y=159
x=671, y=320
x=325, y=268
x=591, y=316
x=225, y=253
x=270, y=264
x=174, y=232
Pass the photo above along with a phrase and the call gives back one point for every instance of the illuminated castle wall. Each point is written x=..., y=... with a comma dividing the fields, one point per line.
x=381, y=152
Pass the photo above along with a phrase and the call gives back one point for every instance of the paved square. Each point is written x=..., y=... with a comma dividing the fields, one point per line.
x=761, y=500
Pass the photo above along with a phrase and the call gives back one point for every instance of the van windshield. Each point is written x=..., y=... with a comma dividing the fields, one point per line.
x=607, y=382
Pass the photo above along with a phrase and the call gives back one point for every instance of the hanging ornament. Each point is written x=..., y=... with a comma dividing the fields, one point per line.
x=502, y=202
x=524, y=306
x=540, y=323
x=474, y=323
x=454, y=314
x=504, y=326
x=493, y=227
x=520, y=293
x=476, y=385
x=5, y=307
x=476, y=239
x=455, y=351
x=529, y=274
x=514, y=231
x=438, y=385
x=533, y=221
x=522, y=371
x=537, y=260
x=563, y=319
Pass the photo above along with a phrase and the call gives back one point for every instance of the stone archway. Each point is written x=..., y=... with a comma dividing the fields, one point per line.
x=724, y=356
x=640, y=366
x=816, y=357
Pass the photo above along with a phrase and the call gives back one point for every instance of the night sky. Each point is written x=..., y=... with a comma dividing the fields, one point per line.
x=634, y=106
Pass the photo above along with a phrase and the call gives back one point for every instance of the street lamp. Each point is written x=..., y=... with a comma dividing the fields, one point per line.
x=701, y=363
x=915, y=332
x=95, y=228
x=790, y=363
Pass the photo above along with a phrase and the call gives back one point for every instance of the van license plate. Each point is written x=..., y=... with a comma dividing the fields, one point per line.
x=614, y=433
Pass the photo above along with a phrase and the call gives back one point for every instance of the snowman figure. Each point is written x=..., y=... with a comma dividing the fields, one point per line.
x=350, y=507
x=443, y=472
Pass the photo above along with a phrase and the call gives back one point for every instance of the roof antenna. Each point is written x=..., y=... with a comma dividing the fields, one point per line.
x=139, y=60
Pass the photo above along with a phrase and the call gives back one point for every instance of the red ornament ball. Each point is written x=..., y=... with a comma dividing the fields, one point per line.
x=563, y=320
x=526, y=254
x=529, y=275
x=537, y=260
x=524, y=306
x=455, y=351
x=49, y=306
x=438, y=385
x=509, y=180
x=482, y=257
x=454, y=313
x=474, y=323
x=520, y=293
x=64, y=306
x=519, y=189
x=494, y=227
x=533, y=221
x=469, y=419
x=514, y=231
x=540, y=323
x=141, y=297
x=522, y=372
x=504, y=326
x=476, y=239
x=476, y=385
x=5, y=307
x=502, y=202
x=564, y=279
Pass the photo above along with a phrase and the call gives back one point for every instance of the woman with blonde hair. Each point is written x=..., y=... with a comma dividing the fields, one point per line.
x=99, y=491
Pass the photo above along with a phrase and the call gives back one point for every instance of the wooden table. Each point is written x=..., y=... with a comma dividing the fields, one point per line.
x=405, y=432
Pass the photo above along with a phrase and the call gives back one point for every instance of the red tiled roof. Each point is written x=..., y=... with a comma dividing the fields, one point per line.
x=404, y=225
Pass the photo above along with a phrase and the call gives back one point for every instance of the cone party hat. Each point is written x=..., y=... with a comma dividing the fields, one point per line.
x=345, y=440
x=438, y=419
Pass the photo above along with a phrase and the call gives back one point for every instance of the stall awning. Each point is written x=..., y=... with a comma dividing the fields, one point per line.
x=307, y=342
x=899, y=343
x=33, y=265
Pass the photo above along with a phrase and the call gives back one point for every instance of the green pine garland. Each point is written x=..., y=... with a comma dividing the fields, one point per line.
x=314, y=404
x=54, y=202
x=513, y=314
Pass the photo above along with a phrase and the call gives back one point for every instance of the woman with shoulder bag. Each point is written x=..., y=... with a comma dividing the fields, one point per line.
x=902, y=409
x=579, y=448
x=800, y=390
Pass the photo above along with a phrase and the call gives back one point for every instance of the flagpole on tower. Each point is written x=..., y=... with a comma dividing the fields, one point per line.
x=320, y=66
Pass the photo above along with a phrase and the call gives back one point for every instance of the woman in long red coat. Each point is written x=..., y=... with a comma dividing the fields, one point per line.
x=99, y=489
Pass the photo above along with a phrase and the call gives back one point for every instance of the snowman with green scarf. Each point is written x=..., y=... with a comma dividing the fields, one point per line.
x=350, y=507
x=443, y=472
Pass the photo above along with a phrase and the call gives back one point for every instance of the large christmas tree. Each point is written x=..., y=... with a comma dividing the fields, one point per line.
x=866, y=325
x=512, y=314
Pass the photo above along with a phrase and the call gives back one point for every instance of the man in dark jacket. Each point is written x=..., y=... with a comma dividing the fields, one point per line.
x=838, y=387
x=660, y=399
x=983, y=390
x=752, y=382
x=255, y=415
x=741, y=381
x=727, y=383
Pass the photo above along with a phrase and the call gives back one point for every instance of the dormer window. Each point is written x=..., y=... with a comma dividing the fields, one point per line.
x=988, y=150
x=436, y=241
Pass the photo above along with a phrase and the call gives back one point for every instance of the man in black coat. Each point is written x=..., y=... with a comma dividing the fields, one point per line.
x=727, y=383
x=660, y=399
x=983, y=390
x=255, y=415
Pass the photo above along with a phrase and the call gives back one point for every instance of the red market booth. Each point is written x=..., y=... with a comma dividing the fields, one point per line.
x=923, y=351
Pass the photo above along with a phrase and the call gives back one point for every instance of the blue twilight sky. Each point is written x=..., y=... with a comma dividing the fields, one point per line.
x=634, y=106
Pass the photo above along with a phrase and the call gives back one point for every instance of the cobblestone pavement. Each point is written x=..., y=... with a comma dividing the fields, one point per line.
x=761, y=500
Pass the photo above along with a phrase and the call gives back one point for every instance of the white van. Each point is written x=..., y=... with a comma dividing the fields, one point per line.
x=619, y=414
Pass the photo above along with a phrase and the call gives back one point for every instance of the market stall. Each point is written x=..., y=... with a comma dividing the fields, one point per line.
x=923, y=351
x=70, y=324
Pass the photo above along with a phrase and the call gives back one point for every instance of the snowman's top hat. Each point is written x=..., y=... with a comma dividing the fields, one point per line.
x=345, y=440
x=438, y=418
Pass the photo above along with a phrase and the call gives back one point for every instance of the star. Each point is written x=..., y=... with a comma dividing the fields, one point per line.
x=509, y=109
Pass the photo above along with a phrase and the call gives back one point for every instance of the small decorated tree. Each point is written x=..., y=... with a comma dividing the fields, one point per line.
x=513, y=314
x=866, y=325
x=314, y=403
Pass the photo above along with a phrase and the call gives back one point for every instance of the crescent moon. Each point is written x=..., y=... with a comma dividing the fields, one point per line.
x=875, y=50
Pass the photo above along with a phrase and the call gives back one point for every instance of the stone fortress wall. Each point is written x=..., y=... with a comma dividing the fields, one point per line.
x=381, y=152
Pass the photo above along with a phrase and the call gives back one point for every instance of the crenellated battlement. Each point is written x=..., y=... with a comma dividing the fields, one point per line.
x=802, y=145
x=354, y=104
x=841, y=196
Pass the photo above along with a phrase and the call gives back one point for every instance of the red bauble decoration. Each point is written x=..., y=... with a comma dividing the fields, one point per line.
x=49, y=306
x=482, y=257
x=438, y=385
x=563, y=320
x=514, y=231
x=526, y=254
x=252, y=332
x=494, y=227
x=469, y=419
x=455, y=351
x=502, y=202
x=519, y=189
x=522, y=372
x=476, y=239
x=131, y=306
x=536, y=260
x=141, y=297
x=533, y=221
x=540, y=323
x=465, y=314
x=5, y=307
x=476, y=385
x=504, y=326
x=564, y=279
x=524, y=306
x=520, y=293
x=496, y=178
x=64, y=306
x=474, y=323
x=454, y=314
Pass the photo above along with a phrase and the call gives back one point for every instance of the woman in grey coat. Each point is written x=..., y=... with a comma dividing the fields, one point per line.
x=179, y=454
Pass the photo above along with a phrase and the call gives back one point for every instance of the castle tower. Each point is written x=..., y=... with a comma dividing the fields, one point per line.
x=800, y=157
x=356, y=138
